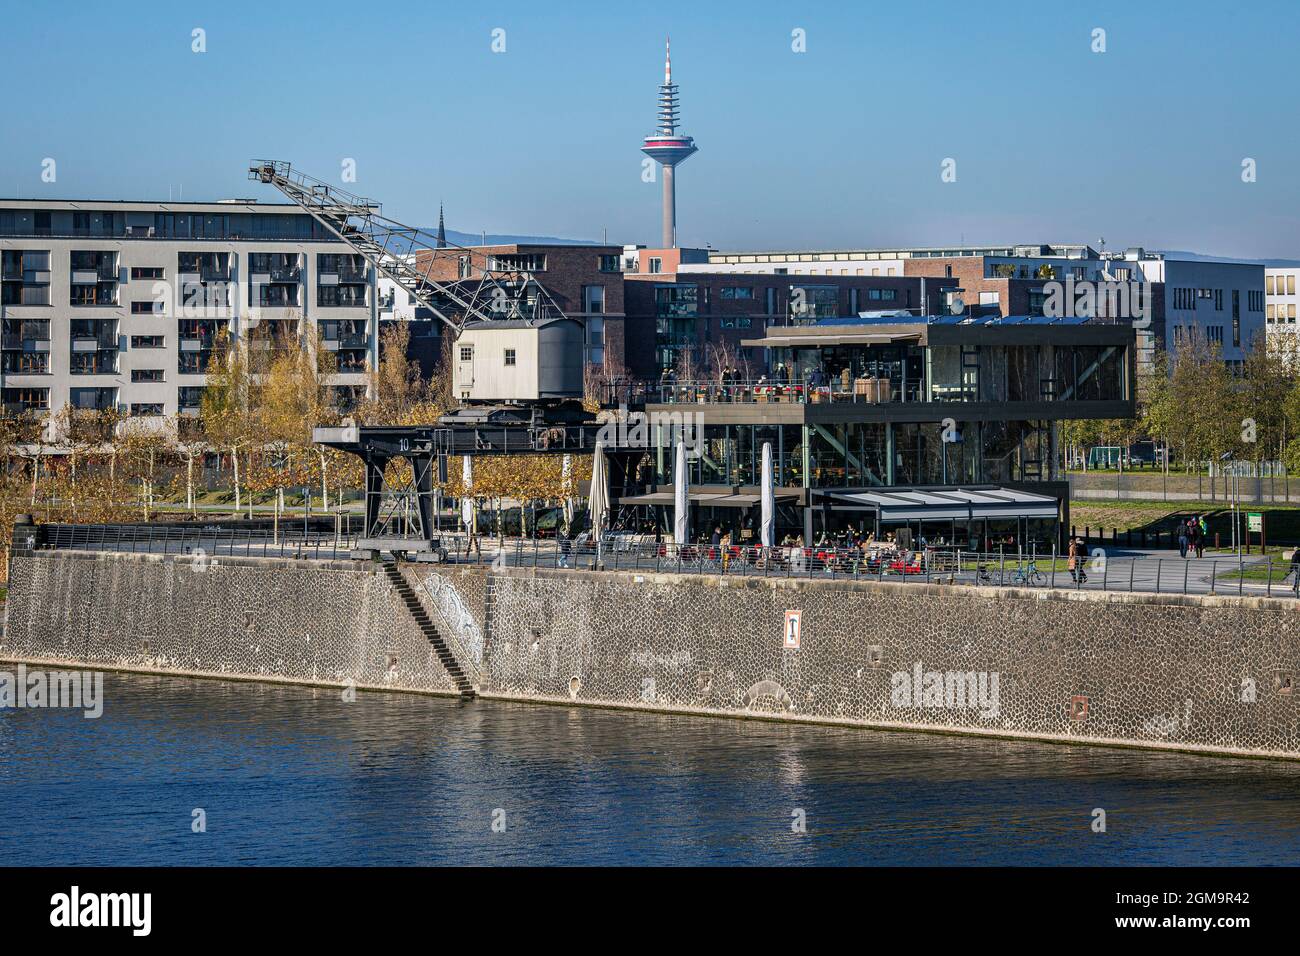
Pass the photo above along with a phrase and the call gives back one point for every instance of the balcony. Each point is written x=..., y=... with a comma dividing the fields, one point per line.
x=344, y=341
x=193, y=363
x=94, y=295
x=94, y=343
x=286, y=275
x=277, y=297
x=341, y=296
x=25, y=342
x=26, y=363
x=94, y=363
x=862, y=391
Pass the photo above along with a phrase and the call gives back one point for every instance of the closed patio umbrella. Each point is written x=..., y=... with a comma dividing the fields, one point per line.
x=467, y=502
x=681, y=497
x=598, y=500
x=768, y=531
x=566, y=481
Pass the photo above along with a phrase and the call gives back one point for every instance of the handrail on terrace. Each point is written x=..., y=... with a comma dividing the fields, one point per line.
x=1227, y=574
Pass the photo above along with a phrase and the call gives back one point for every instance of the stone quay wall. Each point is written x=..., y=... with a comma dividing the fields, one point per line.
x=1197, y=673
x=316, y=622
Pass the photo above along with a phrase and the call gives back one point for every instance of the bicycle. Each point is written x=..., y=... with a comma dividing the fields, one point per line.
x=1029, y=574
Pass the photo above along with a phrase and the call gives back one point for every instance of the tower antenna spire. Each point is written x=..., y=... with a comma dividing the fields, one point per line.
x=667, y=147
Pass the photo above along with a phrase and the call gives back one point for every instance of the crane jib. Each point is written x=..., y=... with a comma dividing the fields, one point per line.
x=416, y=261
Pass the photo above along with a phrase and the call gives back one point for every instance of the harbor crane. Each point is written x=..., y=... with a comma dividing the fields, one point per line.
x=487, y=303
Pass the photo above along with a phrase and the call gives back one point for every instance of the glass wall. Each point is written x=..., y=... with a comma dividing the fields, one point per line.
x=842, y=365
x=852, y=455
x=922, y=456
x=733, y=455
x=858, y=454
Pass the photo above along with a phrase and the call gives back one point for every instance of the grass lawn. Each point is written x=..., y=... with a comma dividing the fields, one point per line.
x=1121, y=514
x=1280, y=570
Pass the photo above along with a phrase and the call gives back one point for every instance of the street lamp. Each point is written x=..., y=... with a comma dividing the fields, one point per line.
x=1227, y=459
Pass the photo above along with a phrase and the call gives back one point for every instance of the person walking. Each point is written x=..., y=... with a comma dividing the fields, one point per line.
x=1295, y=570
x=1182, y=539
x=1202, y=532
x=1077, y=554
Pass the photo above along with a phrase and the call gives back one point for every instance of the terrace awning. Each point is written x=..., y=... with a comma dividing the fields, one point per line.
x=710, y=499
x=830, y=339
x=959, y=504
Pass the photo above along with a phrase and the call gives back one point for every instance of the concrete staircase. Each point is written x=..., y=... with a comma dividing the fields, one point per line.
x=430, y=630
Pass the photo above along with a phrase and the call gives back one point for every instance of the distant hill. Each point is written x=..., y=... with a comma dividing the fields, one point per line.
x=1201, y=257
x=498, y=239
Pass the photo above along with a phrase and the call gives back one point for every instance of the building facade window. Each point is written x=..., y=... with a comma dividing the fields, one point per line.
x=593, y=299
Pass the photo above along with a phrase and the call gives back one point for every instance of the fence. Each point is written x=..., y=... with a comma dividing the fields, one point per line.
x=199, y=541
x=1227, y=574
x=1099, y=572
x=1152, y=485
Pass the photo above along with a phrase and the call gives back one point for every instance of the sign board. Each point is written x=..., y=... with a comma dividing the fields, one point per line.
x=793, y=630
x=1254, y=521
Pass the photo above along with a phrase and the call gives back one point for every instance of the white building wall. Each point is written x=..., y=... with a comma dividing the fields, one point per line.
x=144, y=252
x=1281, y=304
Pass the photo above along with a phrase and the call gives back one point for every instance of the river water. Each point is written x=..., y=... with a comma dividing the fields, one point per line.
x=288, y=775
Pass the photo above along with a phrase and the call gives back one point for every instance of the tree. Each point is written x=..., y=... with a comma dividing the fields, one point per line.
x=190, y=445
x=144, y=443
x=224, y=410
x=1267, y=380
x=396, y=388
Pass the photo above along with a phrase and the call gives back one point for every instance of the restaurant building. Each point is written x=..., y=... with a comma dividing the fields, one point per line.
x=943, y=427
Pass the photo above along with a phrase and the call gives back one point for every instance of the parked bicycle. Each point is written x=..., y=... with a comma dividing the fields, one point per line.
x=1028, y=574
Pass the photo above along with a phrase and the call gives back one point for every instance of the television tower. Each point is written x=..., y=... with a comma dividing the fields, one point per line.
x=667, y=148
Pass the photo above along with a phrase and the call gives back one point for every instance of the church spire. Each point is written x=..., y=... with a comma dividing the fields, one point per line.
x=442, y=230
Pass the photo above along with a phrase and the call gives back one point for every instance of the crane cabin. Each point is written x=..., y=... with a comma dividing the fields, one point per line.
x=510, y=360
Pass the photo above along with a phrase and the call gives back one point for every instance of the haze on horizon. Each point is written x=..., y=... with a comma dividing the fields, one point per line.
x=839, y=146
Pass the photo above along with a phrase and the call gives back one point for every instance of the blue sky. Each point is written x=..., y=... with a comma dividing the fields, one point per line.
x=838, y=146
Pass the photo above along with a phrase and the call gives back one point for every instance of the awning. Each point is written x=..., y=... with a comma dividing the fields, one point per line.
x=826, y=339
x=711, y=499
x=959, y=504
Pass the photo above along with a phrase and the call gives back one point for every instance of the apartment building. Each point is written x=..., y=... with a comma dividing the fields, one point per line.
x=1217, y=301
x=118, y=304
x=864, y=262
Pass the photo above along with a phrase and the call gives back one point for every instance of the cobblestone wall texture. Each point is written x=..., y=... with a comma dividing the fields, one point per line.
x=1195, y=673
x=1190, y=673
x=268, y=619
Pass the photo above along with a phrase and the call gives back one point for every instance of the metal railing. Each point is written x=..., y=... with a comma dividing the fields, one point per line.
x=1230, y=574
x=1227, y=574
x=293, y=539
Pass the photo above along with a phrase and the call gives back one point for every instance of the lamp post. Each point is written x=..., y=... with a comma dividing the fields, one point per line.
x=1234, y=492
